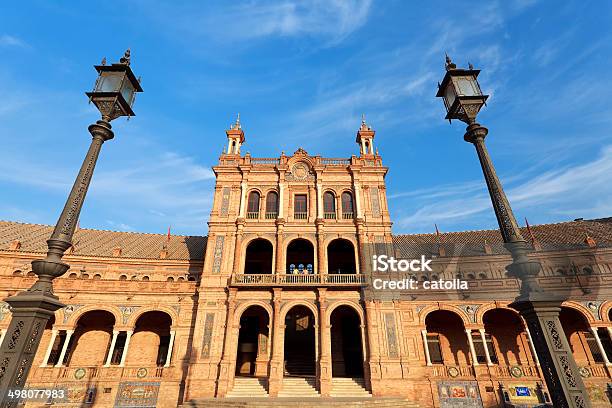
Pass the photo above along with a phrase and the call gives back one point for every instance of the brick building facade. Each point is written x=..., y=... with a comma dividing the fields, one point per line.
x=271, y=302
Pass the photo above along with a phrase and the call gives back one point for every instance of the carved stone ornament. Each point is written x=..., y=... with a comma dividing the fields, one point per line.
x=79, y=373
x=516, y=371
x=141, y=373
x=453, y=372
x=4, y=310
x=299, y=172
x=584, y=372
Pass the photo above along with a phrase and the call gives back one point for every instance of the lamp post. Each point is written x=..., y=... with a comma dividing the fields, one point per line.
x=113, y=95
x=463, y=100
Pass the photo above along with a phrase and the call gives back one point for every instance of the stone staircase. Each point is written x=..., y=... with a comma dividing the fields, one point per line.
x=249, y=387
x=349, y=388
x=320, y=402
x=299, y=387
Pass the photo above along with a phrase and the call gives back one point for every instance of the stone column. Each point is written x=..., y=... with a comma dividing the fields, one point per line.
x=170, y=347
x=280, y=250
x=356, y=189
x=243, y=190
x=237, y=246
x=426, y=347
x=472, y=350
x=319, y=200
x=111, y=349
x=45, y=359
x=275, y=379
x=533, y=350
x=486, y=347
x=599, y=345
x=60, y=361
x=321, y=258
x=281, y=200
x=374, y=353
x=125, y=348
x=324, y=371
x=225, y=374
x=312, y=204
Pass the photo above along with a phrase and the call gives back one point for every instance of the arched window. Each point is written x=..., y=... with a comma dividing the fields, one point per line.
x=97, y=276
x=329, y=205
x=271, y=205
x=253, y=205
x=170, y=279
x=17, y=273
x=30, y=274
x=72, y=276
x=347, y=205
x=85, y=276
x=123, y=277
x=145, y=278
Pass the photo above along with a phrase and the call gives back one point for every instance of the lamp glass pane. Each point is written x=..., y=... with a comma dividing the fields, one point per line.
x=127, y=91
x=109, y=81
x=449, y=95
x=467, y=86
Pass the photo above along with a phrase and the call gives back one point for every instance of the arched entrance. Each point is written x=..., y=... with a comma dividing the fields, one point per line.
x=252, y=353
x=346, y=346
x=505, y=338
x=341, y=257
x=580, y=338
x=150, y=341
x=258, y=257
x=300, y=358
x=446, y=338
x=91, y=340
x=300, y=256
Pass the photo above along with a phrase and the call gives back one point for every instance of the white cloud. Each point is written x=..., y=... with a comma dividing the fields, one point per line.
x=11, y=41
x=582, y=190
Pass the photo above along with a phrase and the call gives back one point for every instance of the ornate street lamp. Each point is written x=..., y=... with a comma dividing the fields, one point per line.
x=113, y=95
x=463, y=100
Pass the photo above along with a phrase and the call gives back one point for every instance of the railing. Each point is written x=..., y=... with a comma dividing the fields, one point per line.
x=271, y=215
x=300, y=215
x=264, y=160
x=329, y=216
x=286, y=279
x=596, y=370
x=252, y=215
x=347, y=216
x=100, y=373
x=336, y=162
x=507, y=371
x=451, y=371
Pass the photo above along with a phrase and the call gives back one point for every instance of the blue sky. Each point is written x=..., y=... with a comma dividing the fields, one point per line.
x=301, y=73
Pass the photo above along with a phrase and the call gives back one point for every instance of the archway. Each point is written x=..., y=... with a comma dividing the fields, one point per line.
x=91, y=339
x=258, y=257
x=346, y=346
x=510, y=345
x=252, y=353
x=300, y=256
x=300, y=342
x=341, y=256
x=150, y=341
x=582, y=342
x=446, y=338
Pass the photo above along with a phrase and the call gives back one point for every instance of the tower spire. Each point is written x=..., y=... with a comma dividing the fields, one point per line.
x=365, y=138
x=235, y=137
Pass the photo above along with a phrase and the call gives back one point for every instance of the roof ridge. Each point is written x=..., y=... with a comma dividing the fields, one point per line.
x=104, y=230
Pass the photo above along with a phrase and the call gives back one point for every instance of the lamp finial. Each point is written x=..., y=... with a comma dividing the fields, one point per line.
x=126, y=58
x=470, y=66
x=449, y=63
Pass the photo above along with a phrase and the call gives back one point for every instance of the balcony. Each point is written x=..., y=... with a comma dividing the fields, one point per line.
x=300, y=215
x=252, y=215
x=298, y=280
x=271, y=215
x=329, y=215
x=347, y=216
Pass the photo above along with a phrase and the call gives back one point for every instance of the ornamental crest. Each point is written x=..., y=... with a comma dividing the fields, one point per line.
x=299, y=172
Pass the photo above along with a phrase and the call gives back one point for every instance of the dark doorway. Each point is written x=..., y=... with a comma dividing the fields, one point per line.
x=300, y=256
x=346, y=347
x=258, y=259
x=252, y=340
x=341, y=257
x=299, y=342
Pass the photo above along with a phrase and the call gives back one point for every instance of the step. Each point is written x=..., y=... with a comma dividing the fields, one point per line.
x=248, y=387
x=349, y=387
x=297, y=387
x=374, y=402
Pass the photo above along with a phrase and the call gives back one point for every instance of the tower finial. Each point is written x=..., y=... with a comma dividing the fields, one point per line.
x=470, y=66
x=126, y=58
x=449, y=63
x=363, y=119
x=237, y=124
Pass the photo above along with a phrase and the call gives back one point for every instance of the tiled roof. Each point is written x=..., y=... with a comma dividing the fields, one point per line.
x=89, y=242
x=564, y=235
